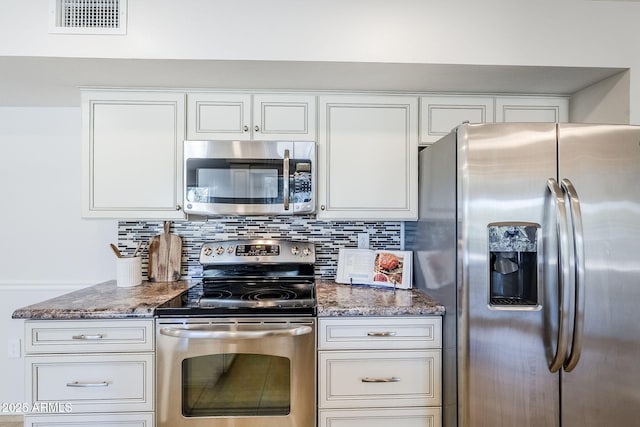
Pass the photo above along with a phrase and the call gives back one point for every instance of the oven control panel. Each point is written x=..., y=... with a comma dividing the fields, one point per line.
x=256, y=251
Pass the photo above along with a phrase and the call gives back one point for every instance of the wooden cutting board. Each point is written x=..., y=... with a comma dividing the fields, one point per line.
x=165, y=256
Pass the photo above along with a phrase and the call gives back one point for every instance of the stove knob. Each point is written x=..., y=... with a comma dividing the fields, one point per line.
x=219, y=250
x=207, y=250
x=230, y=249
x=295, y=250
x=306, y=251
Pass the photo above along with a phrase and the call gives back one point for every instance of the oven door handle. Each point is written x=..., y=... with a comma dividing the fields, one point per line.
x=234, y=335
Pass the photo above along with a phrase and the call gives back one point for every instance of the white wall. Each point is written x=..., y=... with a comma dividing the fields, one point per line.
x=46, y=248
x=576, y=33
x=604, y=102
x=517, y=32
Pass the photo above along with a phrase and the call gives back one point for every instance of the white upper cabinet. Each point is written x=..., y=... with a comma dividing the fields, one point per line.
x=284, y=117
x=367, y=165
x=440, y=114
x=532, y=109
x=368, y=157
x=132, y=154
x=243, y=117
x=218, y=116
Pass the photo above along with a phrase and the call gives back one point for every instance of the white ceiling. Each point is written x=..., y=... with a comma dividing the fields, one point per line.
x=41, y=81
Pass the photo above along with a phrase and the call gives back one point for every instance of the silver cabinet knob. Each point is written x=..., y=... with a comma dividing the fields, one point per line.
x=322, y=207
x=245, y=128
x=257, y=128
x=178, y=207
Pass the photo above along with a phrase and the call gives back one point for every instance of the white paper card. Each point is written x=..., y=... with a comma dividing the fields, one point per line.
x=380, y=268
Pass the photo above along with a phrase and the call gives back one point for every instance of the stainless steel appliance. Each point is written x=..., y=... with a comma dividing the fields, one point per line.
x=249, y=177
x=239, y=348
x=530, y=235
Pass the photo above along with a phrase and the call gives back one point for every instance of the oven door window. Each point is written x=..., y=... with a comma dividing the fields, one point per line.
x=231, y=384
x=229, y=181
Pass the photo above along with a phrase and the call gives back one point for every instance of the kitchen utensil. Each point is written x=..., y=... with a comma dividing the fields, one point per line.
x=165, y=256
x=135, y=253
x=115, y=250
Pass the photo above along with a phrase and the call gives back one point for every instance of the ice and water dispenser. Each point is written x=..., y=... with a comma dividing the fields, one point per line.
x=513, y=265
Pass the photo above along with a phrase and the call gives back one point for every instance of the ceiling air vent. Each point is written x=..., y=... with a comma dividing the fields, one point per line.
x=88, y=16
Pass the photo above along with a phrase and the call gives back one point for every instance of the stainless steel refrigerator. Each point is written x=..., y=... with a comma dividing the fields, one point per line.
x=529, y=234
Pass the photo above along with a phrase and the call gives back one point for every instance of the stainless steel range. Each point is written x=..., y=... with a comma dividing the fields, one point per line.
x=239, y=349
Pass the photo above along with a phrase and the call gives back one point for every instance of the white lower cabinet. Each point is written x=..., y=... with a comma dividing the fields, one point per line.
x=388, y=417
x=391, y=374
x=90, y=373
x=102, y=420
x=94, y=382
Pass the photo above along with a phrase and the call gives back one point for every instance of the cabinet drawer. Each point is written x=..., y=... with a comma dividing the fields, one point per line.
x=410, y=417
x=379, y=333
x=100, y=420
x=87, y=336
x=350, y=379
x=92, y=383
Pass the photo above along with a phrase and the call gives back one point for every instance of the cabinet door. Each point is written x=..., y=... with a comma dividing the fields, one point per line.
x=532, y=109
x=218, y=116
x=368, y=157
x=132, y=154
x=440, y=114
x=284, y=117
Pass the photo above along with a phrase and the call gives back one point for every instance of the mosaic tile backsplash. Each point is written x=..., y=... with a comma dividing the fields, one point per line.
x=328, y=236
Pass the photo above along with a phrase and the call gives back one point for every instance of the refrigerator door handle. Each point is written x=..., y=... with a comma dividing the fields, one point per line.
x=564, y=276
x=578, y=251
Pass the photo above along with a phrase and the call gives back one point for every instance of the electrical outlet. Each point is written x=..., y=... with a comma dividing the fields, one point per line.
x=363, y=240
x=14, y=348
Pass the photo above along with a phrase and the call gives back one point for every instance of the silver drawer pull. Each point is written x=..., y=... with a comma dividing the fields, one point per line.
x=79, y=384
x=381, y=334
x=88, y=337
x=381, y=380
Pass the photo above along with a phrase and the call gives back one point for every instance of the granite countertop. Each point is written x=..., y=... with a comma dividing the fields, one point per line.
x=105, y=301
x=354, y=300
x=108, y=301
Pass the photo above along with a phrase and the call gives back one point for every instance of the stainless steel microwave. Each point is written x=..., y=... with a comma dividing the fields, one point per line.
x=249, y=177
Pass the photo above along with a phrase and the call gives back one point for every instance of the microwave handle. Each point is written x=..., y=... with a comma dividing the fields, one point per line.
x=285, y=179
